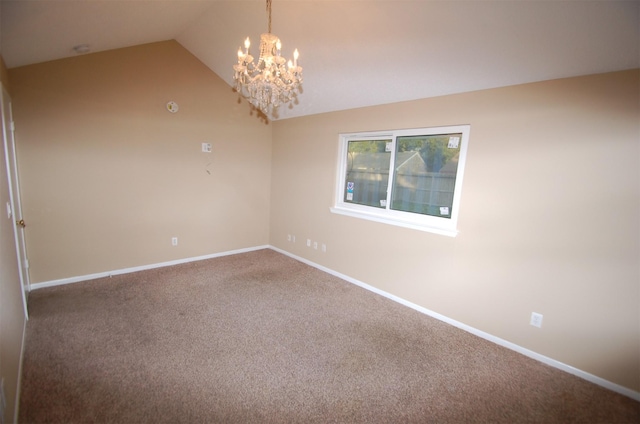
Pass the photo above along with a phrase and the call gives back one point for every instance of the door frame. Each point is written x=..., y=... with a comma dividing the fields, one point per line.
x=10, y=157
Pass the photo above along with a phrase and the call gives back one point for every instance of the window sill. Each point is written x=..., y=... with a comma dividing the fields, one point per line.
x=399, y=222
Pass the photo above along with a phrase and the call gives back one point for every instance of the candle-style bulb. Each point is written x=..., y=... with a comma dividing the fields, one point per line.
x=247, y=43
x=295, y=57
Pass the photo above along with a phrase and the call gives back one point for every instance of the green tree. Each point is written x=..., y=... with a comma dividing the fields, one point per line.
x=368, y=146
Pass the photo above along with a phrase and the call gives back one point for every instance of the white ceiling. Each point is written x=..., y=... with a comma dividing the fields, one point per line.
x=354, y=53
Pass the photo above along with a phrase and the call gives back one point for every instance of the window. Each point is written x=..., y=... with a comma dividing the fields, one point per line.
x=411, y=178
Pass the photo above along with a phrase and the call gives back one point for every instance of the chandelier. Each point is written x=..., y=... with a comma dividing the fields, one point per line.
x=272, y=81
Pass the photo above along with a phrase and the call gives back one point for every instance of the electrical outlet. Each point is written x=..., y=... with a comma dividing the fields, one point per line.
x=536, y=319
x=315, y=245
x=308, y=242
x=293, y=239
x=174, y=241
x=288, y=237
x=324, y=248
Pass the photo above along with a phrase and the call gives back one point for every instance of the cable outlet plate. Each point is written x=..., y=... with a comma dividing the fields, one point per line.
x=536, y=319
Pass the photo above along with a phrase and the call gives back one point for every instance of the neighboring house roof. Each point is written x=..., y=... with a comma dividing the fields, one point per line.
x=410, y=162
x=406, y=162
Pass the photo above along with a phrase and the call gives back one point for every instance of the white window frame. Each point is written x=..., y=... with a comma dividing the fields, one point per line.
x=434, y=224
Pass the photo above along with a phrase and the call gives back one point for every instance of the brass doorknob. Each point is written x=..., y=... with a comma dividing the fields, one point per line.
x=21, y=223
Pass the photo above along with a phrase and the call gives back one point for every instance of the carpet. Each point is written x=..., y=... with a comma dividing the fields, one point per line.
x=259, y=337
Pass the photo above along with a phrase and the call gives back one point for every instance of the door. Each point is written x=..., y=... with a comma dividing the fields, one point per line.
x=14, y=208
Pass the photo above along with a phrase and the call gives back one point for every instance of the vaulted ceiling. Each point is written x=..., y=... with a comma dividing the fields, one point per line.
x=354, y=53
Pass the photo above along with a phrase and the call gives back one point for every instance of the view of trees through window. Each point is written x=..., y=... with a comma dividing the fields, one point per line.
x=425, y=177
x=368, y=165
x=425, y=168
x=408, y=177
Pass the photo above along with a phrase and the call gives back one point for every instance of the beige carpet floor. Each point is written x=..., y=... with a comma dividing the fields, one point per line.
x=261, y=338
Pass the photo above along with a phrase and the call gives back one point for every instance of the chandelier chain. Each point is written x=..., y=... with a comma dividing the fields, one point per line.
x=269, y=13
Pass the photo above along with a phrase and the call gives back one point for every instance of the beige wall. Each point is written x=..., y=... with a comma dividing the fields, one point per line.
x=109, y=176
x=550, y=213
x=549, y=219
x=4, y=74
x=12, y=319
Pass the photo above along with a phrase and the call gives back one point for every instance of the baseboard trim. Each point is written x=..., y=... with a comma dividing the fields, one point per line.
x=62, y=281
x=497, y=340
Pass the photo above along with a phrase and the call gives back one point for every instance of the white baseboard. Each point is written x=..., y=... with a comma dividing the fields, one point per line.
x=62, y=281
x=531, y=354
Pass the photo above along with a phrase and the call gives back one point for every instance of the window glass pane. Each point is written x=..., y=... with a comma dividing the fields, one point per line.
x=367, y=175
x=425, y=174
